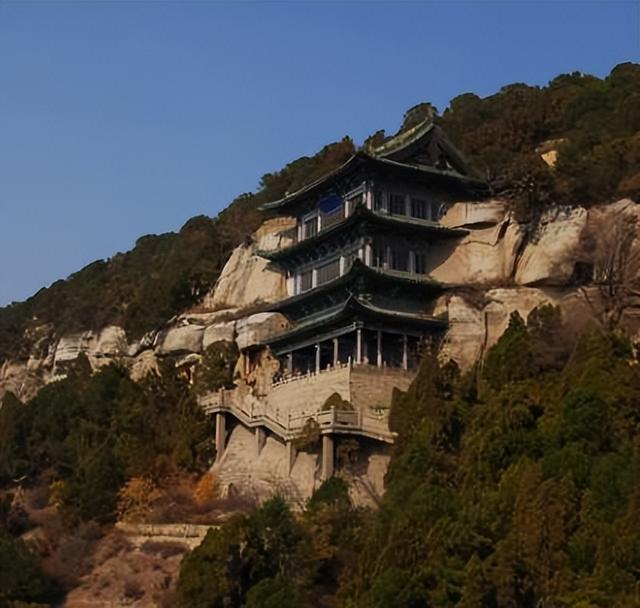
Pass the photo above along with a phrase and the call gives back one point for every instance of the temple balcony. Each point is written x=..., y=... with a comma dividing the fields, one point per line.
x=290, y=404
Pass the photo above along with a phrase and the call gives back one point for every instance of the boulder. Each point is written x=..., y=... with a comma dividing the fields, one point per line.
x=180, y=340
x=551, y=253
x=144, y=364
x=477, y=320
x=466, y=334
x=485, y=256
x=219, y=332
x=465, y=214
x=71, y=345
x=275, y=233
x=258, y=327
x=246, y=280
x=111, y=342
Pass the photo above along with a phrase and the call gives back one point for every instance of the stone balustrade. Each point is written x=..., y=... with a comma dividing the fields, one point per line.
x=293, y=401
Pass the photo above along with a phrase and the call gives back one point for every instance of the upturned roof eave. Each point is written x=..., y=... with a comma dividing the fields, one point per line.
x=404, y=140
x=362, y=156
x=354, y=305
x=364, y=214
x=358, y=268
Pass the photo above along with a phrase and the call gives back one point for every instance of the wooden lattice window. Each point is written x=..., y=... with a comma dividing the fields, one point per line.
x=328, y=272
x=396, y=204
x=420, y=209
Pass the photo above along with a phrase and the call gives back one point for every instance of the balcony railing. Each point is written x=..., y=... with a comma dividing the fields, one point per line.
x=288, y=422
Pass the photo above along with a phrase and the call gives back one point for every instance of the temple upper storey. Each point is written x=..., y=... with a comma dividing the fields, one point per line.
x=381, y=207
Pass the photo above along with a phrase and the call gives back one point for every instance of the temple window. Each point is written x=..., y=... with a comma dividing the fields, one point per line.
x=378, y=200
x=355, y=200
x=379, y=255
x=310, y=227
x=397, y=204
x=306, y=280
x=328, y=272
x=420, y=209
x=420, y=263
x=399, y=258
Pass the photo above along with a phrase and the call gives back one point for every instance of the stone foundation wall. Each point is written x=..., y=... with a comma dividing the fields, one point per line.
x=308, y=394
x=372, y=387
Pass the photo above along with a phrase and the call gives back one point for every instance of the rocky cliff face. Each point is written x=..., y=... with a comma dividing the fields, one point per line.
x=498, y=267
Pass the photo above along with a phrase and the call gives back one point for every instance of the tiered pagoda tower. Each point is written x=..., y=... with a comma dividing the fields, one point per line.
x=358, y=270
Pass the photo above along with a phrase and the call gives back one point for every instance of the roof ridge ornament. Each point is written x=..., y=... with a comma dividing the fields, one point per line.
x=404, y=139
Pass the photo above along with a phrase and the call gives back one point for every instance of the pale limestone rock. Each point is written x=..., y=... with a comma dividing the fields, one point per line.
x=134, y=349
x=196, y=317
x=144, y=364
x=247, y=280
x=71, y=345
x=502, y=302
x=13, y=376
x=219, y=332
x=111, y=342
x=465, y=338
x=261, y=377
x=180, y=340
x=474, y=213
x=275, y=233
x=625, y=205
x=376, y=470
x=243, y=470
x=256, y=328
x=483, y=257
x=476, y=324
x=550, y=255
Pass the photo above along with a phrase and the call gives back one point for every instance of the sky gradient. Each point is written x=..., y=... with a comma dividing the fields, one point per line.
x=119, y=119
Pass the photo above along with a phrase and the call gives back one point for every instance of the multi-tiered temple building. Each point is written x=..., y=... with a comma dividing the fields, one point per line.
x=360, y=298
x=358, y=267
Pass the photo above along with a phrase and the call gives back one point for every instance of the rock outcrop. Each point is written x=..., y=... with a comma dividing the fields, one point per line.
x=247, y=279
x=553, y=250
x=500, y=265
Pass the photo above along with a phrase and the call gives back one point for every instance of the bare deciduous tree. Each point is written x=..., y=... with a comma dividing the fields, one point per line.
x=615, y=250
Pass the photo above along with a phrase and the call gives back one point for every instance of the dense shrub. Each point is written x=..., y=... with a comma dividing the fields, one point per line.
x=93, y=432
x=21, y=578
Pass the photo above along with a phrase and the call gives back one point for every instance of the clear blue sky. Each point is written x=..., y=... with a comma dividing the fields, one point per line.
x=119, y=119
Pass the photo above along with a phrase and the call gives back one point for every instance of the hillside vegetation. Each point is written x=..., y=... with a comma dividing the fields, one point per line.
x=514, y=486
x=594, y=124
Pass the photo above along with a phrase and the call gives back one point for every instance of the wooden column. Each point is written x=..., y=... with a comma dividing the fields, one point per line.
x=412, y=261
x=221, y=432
x=327, y=457
x=317, y=358
x=336, y=351
x=368, y=195
x=358, y=345
x=379, y=357
x=405, y=352
x=290, y=362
